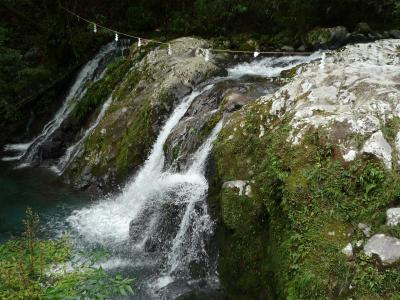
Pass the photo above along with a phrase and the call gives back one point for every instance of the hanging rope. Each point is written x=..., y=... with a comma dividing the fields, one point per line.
x=207, y=51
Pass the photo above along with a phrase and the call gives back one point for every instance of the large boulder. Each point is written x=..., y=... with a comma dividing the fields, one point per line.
x=395, y=33
x=363, y=28
x=327, y=38
x=141, y=104
x=387, y=248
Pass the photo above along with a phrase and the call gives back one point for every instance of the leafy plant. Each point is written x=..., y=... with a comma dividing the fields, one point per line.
x=34, y=268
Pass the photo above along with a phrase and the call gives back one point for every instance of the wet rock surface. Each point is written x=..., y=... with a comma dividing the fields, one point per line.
x=335, y=37
x=222, y=99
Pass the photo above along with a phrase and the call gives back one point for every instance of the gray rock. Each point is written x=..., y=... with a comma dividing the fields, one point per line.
x=236, y=184
x=386, y=247
x=302, y=48
x=287, y=49
x=395, y=33
x=327, y=37
x=379, y=147
x=393, y=216
x=365, y=229
x=340, y=99
x=339, y=35
x=363, y=28
x=235, y=101
x=386, y=35
x=355, y=38
x=348, y=251
x=155, y=83
x=204, y=113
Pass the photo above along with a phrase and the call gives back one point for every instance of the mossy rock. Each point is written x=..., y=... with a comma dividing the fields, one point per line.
x=145, y=89
x=304, y=209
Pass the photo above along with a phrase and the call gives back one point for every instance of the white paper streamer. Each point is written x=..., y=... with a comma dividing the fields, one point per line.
x=207, y=56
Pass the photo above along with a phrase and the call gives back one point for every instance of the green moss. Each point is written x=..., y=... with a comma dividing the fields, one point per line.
x=97, y=92
x=100, y=90
x=136, y=141
x=319, y=35
x=310, y=202
x=244, y=257
x=210, y=125
x=138, y=138
x=291, y=73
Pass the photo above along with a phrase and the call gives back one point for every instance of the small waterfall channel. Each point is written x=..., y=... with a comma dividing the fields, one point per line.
x=94, y=70
x=159, y=226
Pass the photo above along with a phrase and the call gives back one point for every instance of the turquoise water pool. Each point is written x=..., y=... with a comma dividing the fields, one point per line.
x=39, y=189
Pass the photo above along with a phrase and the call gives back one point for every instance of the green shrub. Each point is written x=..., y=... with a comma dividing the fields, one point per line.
x=34, y=268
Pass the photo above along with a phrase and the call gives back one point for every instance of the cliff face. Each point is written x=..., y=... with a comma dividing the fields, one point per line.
x=304, y=178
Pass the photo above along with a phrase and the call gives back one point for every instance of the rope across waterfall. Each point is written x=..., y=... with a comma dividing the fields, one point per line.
x=208, y=51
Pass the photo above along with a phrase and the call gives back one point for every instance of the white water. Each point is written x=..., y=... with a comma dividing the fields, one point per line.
x=185, y=248
x=28, y=152
x=270, y=66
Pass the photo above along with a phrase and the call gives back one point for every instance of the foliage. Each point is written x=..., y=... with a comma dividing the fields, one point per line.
x=34, y=268
x=213, y=17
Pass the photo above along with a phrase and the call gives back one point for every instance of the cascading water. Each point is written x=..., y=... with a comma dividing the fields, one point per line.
x=72, y=151
x=27, y=153
x=159, y=225
x=271, y=66
x=108, y=221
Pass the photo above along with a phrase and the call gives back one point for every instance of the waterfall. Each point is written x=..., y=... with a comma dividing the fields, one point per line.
x=108, y=220
x=159, y=224
x=185, y=247
x=27, y=153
